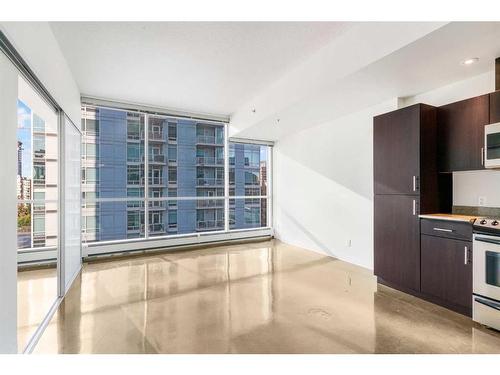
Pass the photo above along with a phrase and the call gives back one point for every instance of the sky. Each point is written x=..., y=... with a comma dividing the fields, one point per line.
x=24, y=135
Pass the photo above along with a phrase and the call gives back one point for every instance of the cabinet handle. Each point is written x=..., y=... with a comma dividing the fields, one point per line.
x=414, y=183
x=466, y=258
x=443, y=230
x=482, y=156
x=414, y=207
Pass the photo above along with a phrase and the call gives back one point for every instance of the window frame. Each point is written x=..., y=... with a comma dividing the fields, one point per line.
x=172, y=201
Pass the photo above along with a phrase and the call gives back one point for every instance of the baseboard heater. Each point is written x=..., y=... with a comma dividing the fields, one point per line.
x=98, y=251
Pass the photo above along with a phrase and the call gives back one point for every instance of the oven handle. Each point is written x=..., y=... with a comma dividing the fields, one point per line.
x=488, y=240
x=491, y=304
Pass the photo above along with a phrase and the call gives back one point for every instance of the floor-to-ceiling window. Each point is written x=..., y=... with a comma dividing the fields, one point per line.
x=148, y=176
x=38, y=209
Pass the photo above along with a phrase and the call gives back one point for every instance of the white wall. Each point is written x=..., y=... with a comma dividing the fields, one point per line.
x=37, y=45
x=8, y=207
x=323, y=187
x=468, y=187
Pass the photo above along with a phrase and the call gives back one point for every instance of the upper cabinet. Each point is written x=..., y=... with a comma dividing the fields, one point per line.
x=495, y=107
x=405, y=150
x=461, y=134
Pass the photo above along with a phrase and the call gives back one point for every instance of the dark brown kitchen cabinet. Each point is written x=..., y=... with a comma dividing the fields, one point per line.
x=397, y=240
x=446, y=274
x=461, y=134
x=405, y=150
x=495, y=107
x=405, y=184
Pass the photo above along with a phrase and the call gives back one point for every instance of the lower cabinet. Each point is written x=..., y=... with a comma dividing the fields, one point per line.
x=397, y=240
x=446, y=271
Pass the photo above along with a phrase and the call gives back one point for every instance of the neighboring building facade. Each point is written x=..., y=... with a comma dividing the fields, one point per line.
x=186, y=159
x=37, y=221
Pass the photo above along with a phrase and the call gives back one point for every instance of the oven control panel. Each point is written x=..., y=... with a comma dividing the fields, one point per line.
x=490, y=225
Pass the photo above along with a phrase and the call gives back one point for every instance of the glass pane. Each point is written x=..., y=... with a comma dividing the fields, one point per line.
x=36, y=228
x=37, y=222
x=109, y=221
x=247, y=213
x=113, y=144
x=248, y=165
x=493, y=268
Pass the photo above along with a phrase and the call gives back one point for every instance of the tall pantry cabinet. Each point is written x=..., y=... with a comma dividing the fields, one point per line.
x=405, y=185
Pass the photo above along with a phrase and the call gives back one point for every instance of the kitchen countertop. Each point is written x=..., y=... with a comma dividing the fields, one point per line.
x=450, y=217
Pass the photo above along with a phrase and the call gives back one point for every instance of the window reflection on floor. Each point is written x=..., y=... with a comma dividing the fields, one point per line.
x=36, y=289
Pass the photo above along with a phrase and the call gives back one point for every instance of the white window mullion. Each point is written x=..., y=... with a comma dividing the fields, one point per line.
x=226, y=178
x=146, y=176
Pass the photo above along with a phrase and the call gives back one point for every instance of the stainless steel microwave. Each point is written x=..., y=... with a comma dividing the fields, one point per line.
x=492, y=145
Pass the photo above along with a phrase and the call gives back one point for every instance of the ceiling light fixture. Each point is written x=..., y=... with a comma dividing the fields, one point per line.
x=470, y=61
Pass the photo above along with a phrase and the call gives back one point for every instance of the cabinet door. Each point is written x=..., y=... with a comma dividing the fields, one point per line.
x=494, y=107
x=461, y=134
x=447, y=269
x=396, y=151
x=397, y=240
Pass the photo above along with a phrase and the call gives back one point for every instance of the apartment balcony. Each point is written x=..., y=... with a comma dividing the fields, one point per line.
x=156, y=136
x=210, y=161
x=157, y=205
x=135, y=160
x=157, y=159
x=39, y=181
x=37, y=207
x=39, y=154
x=135, y=205
x=134, y=182
x=210, y=225
x=135, y=229
x=210, y=203
x=209, y=140
x=133, y=136
x=156, y=182
x=208, y=182
x=156, y=228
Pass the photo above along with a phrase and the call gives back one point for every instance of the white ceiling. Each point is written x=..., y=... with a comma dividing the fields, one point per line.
x=422, y=61
x=209, y=67
x=257, y=72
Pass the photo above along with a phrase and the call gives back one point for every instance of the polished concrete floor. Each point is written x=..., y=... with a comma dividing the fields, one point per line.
x=263, y=297
x=36, y=293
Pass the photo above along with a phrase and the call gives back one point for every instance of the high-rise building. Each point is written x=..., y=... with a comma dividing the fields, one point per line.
x=37, y=219
x=185, y=159
x=20, y=158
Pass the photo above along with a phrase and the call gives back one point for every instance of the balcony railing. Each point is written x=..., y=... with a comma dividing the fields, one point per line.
x=133, y=135
x=156, y=136
x=209, y=160
x=156, y=181
x=38, y=206
x=209, y=139
x=156, y=228
x=135, y=182
x=157, y=205
x=39, y=181
x=210, y=224
x=210, y=203
x=210, y=181
x=160, y=158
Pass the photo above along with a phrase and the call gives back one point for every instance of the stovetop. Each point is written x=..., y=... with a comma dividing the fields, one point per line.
x=487, y=225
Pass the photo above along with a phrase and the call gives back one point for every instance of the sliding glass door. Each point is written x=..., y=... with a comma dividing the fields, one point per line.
x=37, y=210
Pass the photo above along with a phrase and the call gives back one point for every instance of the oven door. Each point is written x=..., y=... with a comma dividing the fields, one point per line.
x=492, y=146
x=486, y=266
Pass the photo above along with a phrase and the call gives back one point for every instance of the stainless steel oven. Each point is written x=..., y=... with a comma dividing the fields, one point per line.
x=486, y=279
x=492, y=146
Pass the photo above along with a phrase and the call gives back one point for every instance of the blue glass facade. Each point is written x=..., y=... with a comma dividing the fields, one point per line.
x=185, y=160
